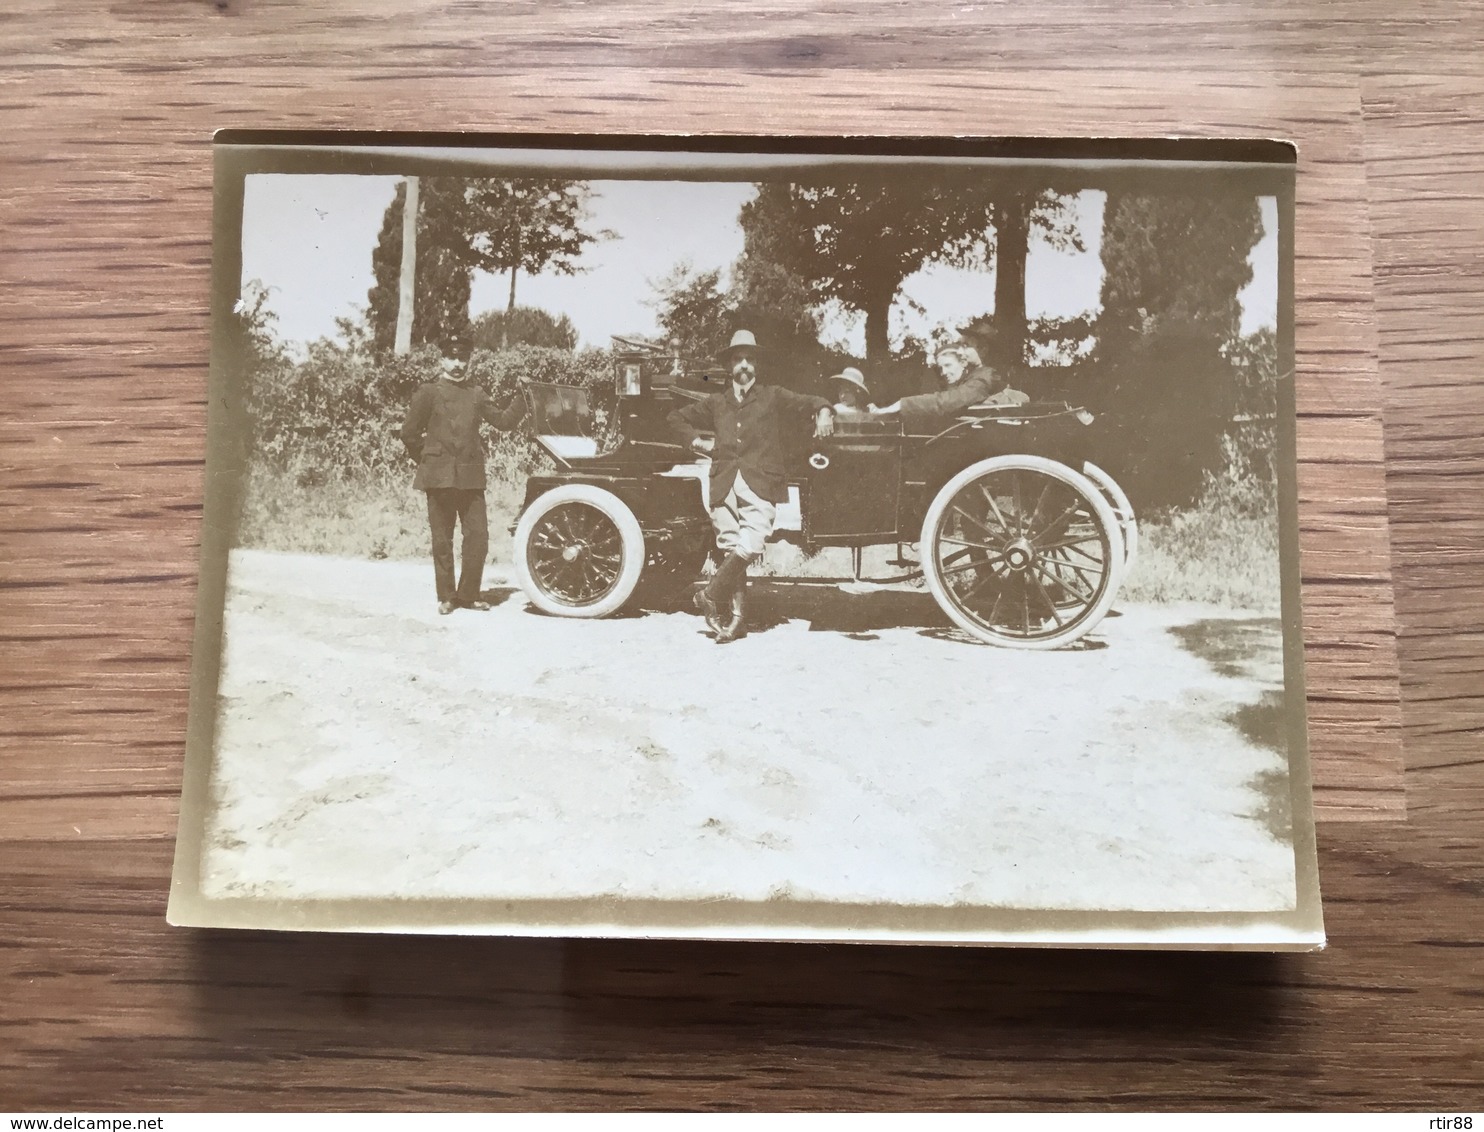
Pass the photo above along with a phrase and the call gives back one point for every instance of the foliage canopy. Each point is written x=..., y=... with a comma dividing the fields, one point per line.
x=440, y=307
x=467, y=224
x=523, y=326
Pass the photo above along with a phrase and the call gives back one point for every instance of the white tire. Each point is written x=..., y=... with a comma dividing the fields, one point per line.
x=1022, y=552
x=579, y=551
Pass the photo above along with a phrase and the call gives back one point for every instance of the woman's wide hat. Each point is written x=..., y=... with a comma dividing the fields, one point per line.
x=852, y=376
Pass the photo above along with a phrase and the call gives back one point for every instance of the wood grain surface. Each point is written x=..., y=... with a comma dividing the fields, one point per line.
x=104, y=263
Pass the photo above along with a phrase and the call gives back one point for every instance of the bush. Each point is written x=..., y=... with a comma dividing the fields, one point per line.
x=338, y=410
x=501, y=371
x=337, y=414
x=1222, y=549
x=328, y=473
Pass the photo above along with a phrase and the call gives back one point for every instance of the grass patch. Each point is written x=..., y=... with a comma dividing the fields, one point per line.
x=381, y=516
x=1224, y=550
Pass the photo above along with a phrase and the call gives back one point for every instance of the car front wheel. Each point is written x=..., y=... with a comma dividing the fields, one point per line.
x=579, y=551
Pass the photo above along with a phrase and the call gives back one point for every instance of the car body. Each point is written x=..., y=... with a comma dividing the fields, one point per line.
x=1022, y=540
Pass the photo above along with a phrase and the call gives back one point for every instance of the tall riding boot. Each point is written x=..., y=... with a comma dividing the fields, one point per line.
x=734, y=615
x=717, y=594
x=731, y=585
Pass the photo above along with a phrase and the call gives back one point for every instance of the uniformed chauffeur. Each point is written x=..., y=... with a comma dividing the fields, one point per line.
x=441, y=433
x=749, y=463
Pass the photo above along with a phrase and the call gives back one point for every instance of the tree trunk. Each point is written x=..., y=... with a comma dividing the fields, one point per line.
x=878, y=345
x=1005, y=352
x=402, y=343
x=887, y=384
x=509, y=310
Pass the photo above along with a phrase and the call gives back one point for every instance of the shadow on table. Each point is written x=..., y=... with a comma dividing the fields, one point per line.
x=601, y=1009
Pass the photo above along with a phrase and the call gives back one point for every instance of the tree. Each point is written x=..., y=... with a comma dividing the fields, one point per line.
x=1019, y=214
x=523, y=326
x=253, y=333
x=1174, y=266
x=775, y=304
x=855, y=242
x=1255, y=361
x=1176, y=258
x=1023, y=212
x=693, y=311
x=473, y=223
x=407, y=277
x=696, y=313
x=254, y=359
x=440, y=313
x=530, y=224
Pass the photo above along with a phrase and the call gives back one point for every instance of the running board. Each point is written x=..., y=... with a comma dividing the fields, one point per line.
x=895, y=579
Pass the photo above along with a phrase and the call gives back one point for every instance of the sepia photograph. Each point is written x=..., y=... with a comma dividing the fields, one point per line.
x=883, y=540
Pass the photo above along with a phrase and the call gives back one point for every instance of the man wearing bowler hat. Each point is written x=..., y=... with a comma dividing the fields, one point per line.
x=749, y=464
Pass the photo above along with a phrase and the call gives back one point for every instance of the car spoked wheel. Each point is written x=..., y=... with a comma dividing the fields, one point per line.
x=1022, y=551
x=576, y=554
x=579, y=551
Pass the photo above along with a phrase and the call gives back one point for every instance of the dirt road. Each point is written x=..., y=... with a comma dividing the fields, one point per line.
x=855, y=748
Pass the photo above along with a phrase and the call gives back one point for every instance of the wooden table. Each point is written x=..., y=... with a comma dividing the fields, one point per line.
x=104, y=257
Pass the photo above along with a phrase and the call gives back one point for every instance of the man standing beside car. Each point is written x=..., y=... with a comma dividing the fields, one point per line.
x=749, y=464
x=441, y=433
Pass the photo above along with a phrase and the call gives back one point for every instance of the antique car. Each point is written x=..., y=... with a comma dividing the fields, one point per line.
x=1020, y=539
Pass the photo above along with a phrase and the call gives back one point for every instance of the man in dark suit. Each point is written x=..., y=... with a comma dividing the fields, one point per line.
x=749, y=462
x=441, y=433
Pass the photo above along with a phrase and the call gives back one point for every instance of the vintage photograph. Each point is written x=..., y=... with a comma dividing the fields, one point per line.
x=872, y=540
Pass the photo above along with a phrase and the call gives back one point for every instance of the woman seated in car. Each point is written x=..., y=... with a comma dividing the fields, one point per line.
x=970, y=382
x=850, y=391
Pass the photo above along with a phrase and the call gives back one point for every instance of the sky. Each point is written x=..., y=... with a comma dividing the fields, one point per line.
x=308, y=238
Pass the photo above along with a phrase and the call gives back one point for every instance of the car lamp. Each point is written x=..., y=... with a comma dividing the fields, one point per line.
x=627, y=383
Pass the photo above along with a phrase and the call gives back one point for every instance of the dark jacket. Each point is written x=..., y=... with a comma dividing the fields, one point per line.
x=754, y=437
x=441, y=432
x=975, y=386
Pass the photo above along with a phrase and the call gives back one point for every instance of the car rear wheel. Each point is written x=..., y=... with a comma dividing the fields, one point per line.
x=1022, y=552
x=579, y=551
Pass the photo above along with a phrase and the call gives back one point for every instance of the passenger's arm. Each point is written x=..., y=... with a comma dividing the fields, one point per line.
x=968, y=392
